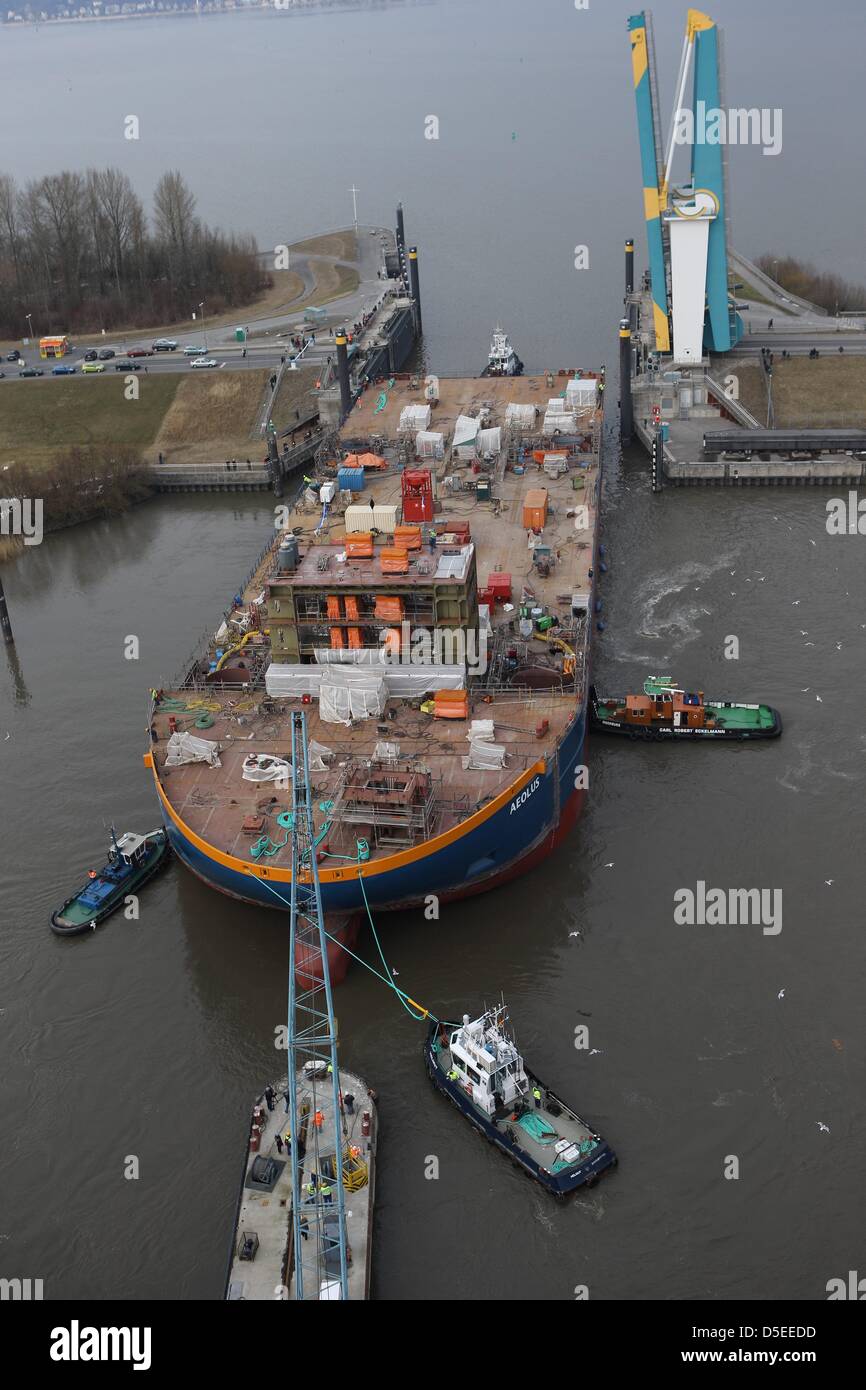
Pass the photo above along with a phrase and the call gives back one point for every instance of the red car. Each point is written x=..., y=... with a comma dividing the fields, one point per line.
x=140, y=352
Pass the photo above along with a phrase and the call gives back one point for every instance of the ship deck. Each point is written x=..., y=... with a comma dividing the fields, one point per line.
x=268, y=1214
x=213, y=802
x=536, y=1129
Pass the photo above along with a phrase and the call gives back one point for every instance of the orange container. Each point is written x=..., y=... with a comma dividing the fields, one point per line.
x=394, y=560
x=352, y=609
x=409, y=537
x=338, y=641
x=359, y=546
x=388, y=608
x=355, y=641
x=334, y=606
x=451, y=704
x=535, y=509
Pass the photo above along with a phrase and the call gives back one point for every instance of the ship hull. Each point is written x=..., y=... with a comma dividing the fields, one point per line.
x=511, y=835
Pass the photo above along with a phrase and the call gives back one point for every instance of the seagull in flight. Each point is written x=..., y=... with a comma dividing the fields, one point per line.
x=829, y=882
x=825, y=1129
x=575, y=933
x=781, y=994
x=610, y=865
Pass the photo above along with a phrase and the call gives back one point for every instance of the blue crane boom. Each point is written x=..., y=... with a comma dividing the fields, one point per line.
x=312, y=1050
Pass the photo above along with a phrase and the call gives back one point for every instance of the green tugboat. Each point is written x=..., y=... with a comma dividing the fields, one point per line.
x=132, y=860
x=665, y=710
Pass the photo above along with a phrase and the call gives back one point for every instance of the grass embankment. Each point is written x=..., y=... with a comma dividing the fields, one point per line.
x=41, y=420
x=212, y=417
x=295, y=394
x=343, y=246
x=827, y=393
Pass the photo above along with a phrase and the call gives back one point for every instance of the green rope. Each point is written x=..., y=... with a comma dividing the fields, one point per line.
x=373, y=971
x=409, y=1010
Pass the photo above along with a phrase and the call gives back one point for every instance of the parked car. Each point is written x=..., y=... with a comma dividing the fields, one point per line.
x=91, y=355
x=65, y=369
x=140, y=352
x=106, y=353
x=32, y=371
x=93, y=367
x=164, y=345
x=13, y=356
x=191, y=351
x=127, y=366
x=204, y=362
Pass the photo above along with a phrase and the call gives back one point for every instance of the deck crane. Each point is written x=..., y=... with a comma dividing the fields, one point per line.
x=687, y=224
x=319, y=1224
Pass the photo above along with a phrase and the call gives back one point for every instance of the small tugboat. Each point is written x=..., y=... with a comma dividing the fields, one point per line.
x=664, y=710
x=132, y=860
x=476, y=1064
x=502, y=360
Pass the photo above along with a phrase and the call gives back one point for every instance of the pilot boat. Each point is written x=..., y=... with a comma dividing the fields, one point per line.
x=476, y=1064
x=666, y=710
x=132, y=860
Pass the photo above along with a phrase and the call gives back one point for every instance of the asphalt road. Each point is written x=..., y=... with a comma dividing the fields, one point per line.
x=220, y=340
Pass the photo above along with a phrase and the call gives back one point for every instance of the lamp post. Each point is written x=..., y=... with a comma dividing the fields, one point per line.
x=203, y=329
x=29, y=318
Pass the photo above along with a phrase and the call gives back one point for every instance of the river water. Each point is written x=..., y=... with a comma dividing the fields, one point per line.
x=151, y=1038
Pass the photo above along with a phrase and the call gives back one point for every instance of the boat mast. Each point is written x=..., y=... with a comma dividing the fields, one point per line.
x=312, y=1035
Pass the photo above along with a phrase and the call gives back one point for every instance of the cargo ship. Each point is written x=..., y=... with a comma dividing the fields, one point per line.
x=430, y=600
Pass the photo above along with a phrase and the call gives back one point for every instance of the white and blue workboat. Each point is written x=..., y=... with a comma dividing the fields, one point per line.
x=476, y=1064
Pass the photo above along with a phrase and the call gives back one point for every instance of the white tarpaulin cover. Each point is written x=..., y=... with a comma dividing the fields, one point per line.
x=402, y=681
x=465, y=431
x=580, y=393
x=319, y=756
x=490, y=441
x=347, y=693
x=521, y=417
x=481, y=730
x=186, y=748
x=429, y=444
x=263, y=767
x=484, y=757
x=385, y=752
x=559, y=423
x=414, y=418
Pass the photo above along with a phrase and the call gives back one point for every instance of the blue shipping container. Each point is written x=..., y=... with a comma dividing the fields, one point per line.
x=350, y=478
